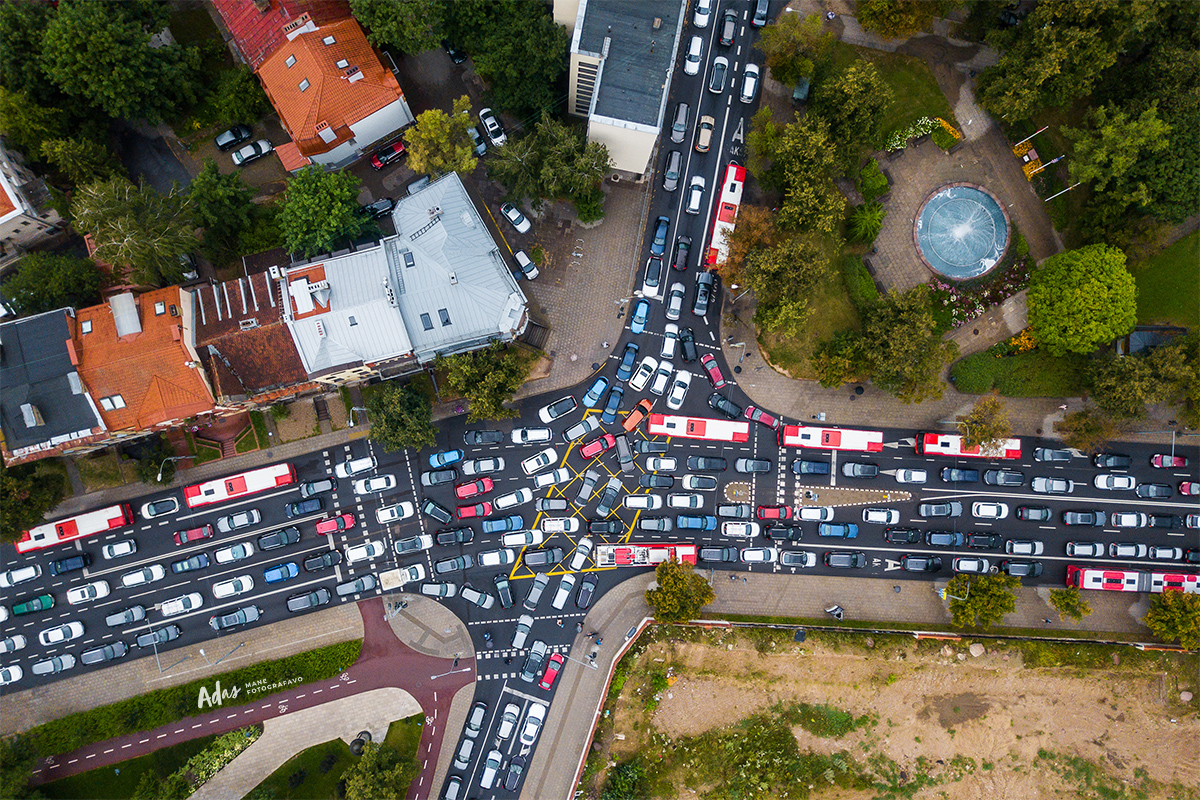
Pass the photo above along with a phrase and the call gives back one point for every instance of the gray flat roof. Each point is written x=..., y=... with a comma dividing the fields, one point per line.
x=634, y=77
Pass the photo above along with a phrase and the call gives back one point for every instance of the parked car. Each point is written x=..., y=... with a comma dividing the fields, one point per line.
x=228, y=139
x=491, y=126
x=1044, y=485
x=914, y=563
x=388, y=154
x=160, y=508
x=845, y=559
x=972, y=565
x=1051, y=454
x=252, y=152
x=959, y=475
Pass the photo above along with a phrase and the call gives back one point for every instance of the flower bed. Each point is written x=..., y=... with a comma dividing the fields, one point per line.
x=968, y=299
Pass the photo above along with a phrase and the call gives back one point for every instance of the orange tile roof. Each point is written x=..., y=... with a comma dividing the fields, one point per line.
x=332, y=100
x=314, y=273
x=291, y=157
x=148, y=369
x=257, y=32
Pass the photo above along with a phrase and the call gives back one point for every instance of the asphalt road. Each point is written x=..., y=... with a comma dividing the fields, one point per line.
x=499, y=666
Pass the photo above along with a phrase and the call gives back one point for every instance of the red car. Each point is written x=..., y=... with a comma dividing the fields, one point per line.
x=1189, y=488
x=553, y=667
x=477, y=510
x=472, y=488
x=756, y=414
x=341, y=522
x=1164, y=461
x=387, y=155
x=598, y=445
x=194, y=534
x=774, y=512
x=709, y=362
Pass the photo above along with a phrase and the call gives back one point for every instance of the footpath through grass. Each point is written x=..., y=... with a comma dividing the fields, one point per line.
x=1168, y=285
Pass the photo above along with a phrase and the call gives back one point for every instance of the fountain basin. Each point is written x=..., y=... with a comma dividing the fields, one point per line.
x=961, y=231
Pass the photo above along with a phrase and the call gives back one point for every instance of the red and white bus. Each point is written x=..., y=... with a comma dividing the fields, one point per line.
x=723, y=220
x=244, y=484
x=66, y=530
x=713, y=430
x=945, y=444
x=1131, y=580
x=643, y=555
x=832, y=438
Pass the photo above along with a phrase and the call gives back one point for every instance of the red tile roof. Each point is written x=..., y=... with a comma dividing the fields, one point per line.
x=257, y=34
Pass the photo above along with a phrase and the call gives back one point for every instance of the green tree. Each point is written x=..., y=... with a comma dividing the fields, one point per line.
x=902, y=348
x=438, y=143
x=755, y=230
x=806, y=164
x=1175, y=616
x=553, y=162
x=784, y=316
x=46, y=281
x=518, y=165
x=1081, y=299
x=1087, y=430
x=263, y=233
x=1123, y=385
x=794, y=46
x=898, y=19
x=22, y=32
x=866, y=221
x=401, y=417
x=319, y=210
x=238, y=97
x=221, y=206
x=100, y=53
x=154, y=459
x=980, y=601
x=410, y=26
x=26, y=124
x=838, y=360
x=488, y=378
x=791, y=268
x=1176, y=368
x=681, y=592
x=18, y=756
x=1109, y=146
x=1069, y=603
x=81, y=161
x=380, y=773
x=26, y=494
x=987, y=425
x=626, y=781
x=762, y=142
x=520, y=54
x=853, y=104
x=136, y=229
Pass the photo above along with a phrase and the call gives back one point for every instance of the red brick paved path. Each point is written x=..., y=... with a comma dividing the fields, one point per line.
x=385, y=662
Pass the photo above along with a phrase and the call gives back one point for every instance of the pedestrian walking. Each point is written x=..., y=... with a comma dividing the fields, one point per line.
x=599, y=642
x=1047, y=621
x=560, y=622
x=1063, y=407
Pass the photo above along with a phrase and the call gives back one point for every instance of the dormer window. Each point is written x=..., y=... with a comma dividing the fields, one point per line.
x=160, y=308
x=290, y=61
x=304, y=84
x=342, y=63
x=426, y=322
x=112, y=402
x=328, y=40
x=86, y=326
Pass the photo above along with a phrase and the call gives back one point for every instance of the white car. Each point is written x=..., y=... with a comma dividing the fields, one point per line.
x=675, y=300
x=581, y=429
x=561, y=595
x=233, y=587
x=881, y=516
x=13, y=643
x=670, y=341
x=749, y=83
x=402, y=510
x=88, y=592
x=348, y=469
x=125, y=547
x=413, y=544
x=910, y=476
x=522, y=539
x=699, y=483
x=235, y=552
x=238, y=520
x=691, y=59
x=560, y=407
x=1166, y=553
x=140, y=577
x=12, y=577
x=376, y=483
x=989, y=510
x=759, y=555
x=1129, y=519
x=740, y=530
x=524, y=263
x=662, y=377
x=1114, y=481
x=684, y=500
x=815, y=513
x=1127, y=550
x=160, y=508
x=679, y=389
x=583, y=549
x=61, y=633
x=513, y=499
x=411, y=573
x=644, y=372
x=551, y=478
x=508, y=718
x=533, y=724
x=513, y=215
x=531, y=435
x=251, y=152
x=439, y=589
x=491, y=127
x=704, y=9
x=1015, y=547
x=661, y=464
x=10, y=674
x=1085, y=549
x=182, y=604
x=695, y=196
x=644, y=502
x=539, y=461
x=798, y=558
x=483, y=466
x=497, y=558
x=364, y=551
x=554, y=525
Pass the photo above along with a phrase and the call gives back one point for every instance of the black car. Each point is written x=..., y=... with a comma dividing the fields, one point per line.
x=649, y=447
x=1003, y=477
x=706, y=464
x=784, y=533
x=448, y=536
x=456, y=55
x=1033, y=513
x=72, y=564
x=1112, y=461
x=308, y=600
x=503, y=591
x=1166, y=521
x=436, y=511
x=804, y=467
x=380, y=208
x=901, y=536
x=687, y=345
x=859, y=469
x=543, y=557
x=323, y=560
x=227, y=140
x=452, y=564
x=683, y=247
x=719, y=555
x=845, y=559
x=957, y=475
x=610, y=527
x=302, y=507
x=920, y=563
x=1153, y=490
x=728, y=27
x=651, y=480
x=1022, y=569
x=587, y=590
x=705, y=288
x=944, y=539
x=483, y=437
x=719, y=402
x=198, y=561
x=983, y=541
x=280, y=538
x=516, y=768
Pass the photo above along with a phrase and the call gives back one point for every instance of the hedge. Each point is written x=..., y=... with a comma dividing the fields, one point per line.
x=164, y=706
x=859, y=283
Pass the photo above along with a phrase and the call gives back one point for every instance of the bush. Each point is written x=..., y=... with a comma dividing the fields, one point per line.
x=865, y=222
x=859, y=283
x=1032, y=374
x=872, y=183
x=589, y=206
x=281, y=411
x=943, y=138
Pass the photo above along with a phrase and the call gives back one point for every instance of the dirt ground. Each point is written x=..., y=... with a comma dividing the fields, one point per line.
x=934, y=704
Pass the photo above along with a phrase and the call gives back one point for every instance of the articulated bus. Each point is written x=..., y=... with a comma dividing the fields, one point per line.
x=832, y=438
x=726, y=216
x=244, y=484
x=713, y=430
x=944, y=444
x=643, y=555
x=1131, y=580
x=68, y=530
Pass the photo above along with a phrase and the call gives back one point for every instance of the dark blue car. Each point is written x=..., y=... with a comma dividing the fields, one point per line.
x=613, y=405
x=659, y=245
x=627, y=358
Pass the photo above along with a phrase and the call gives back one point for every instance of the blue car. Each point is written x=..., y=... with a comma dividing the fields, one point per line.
x=612, y=405
x=513, y=522
x=594, y=391
x=841, y=530
x=281, y=572
x=641, y=313
x=697, y=522
x=445, y=458
x=627, y=359
x=659, y=245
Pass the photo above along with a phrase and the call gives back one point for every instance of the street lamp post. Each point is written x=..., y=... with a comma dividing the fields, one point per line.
x=352, y=410
x=451, y=672
x=164, y=464
x=591, y=665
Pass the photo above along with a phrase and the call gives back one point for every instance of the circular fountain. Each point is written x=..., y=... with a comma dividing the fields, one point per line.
x=961, y=231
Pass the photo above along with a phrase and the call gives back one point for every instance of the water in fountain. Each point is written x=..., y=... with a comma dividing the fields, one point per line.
x=962, y=232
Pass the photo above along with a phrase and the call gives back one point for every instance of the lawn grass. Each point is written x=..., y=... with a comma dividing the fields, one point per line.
x=260, y=429
x=246, y=441
x=915, y=91
x=1032, y=374
x=201, y=452
x=832, y=311
x=103, y=471
x=116, y=783
x=1168, y=285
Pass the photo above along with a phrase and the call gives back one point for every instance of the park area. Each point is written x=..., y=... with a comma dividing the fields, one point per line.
x=752, y=713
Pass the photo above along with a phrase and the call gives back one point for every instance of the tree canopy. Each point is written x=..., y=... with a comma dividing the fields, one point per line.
x=681, y=592
x=410, y=26
x=980, y=601
x=1069, y=603
x=438, y=143
x=901, y=347
x=46, y=281
x=221, y=205
x=854, y=103
x=794, y=46
x=1175, y=616
x=987, y=424
x=805, y=166
x=1087, y=430
x=899, y=19
x=380, y=773
x=1081, y=299
x=27, y=492
x=81, y=161
x=401, y=417
x=1124, y=385
x=488, y=378
x=320, y=209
